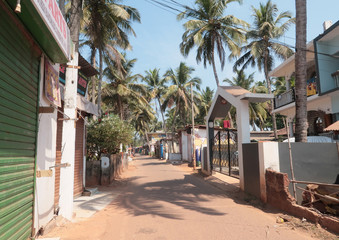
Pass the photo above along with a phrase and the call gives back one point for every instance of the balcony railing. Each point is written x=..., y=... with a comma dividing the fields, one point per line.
x=289, y=96
x=284, y=98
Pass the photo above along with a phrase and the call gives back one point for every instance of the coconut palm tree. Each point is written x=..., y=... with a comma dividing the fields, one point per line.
x=106, y=25
x=210, y=30
x=74, y=19
x=268, y=27
x=156, y=88
x=300, y=72
x=205, y=101
x=123, y=91
x=178, y=93
x=279, y=84
x=143, y=118
x=258, y=112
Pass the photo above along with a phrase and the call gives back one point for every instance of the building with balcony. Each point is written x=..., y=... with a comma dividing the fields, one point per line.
x=322, y=85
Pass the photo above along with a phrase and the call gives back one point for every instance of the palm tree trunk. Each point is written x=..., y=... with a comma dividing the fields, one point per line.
x=74, y=22
x=301, y=71
x=163, y=118
x=215, y=69
x=148, y=144
x=121, y=110
x=62, y=8
x=173, y=124
x=93, y=63
x=183, y=115
x=100, y=80
x=231, y=120
x=268, y=81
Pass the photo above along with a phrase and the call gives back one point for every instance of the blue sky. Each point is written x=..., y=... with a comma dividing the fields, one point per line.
x=159, y=35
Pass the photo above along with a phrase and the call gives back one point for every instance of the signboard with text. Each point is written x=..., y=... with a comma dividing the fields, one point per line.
x=62, y=74
x=51, y=15
x=82, y=83
x=82, y=80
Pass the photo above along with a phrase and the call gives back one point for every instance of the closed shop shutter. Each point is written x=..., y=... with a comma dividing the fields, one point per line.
x=58, y=158
x=79, y=156
x=19, y=79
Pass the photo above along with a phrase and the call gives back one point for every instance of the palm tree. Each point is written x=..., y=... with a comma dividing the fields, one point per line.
x=263, y=45
x=123, y=91
x=178, y=93
x=210, y=30
x=300, y=67
x=279, y=84
x=257, y=111
x=156, y=87
x=205, y=101
x=106, y=24
x=143, y=118
x=75, y=14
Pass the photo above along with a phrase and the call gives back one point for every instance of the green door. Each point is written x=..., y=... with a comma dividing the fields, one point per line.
x=19, y=75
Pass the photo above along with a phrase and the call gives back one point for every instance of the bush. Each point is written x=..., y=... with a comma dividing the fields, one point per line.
x=105, y=135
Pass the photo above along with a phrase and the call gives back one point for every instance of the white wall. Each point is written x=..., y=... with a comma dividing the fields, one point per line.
x=315, y=162
x=184, y=146
x=46, y=151
x=268, y=158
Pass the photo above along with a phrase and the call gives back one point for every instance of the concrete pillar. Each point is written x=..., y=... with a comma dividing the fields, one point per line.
x=210, y=142
x=68, y=141
x=287, y=82
x=243, y=126
x=290, y=125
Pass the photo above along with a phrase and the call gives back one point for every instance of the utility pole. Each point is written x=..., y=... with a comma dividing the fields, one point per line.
x=192, y=132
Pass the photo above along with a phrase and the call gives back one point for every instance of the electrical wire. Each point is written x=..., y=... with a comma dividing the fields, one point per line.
x=165, y=4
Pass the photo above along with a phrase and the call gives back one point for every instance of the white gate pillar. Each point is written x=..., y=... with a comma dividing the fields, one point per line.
x=243, y=126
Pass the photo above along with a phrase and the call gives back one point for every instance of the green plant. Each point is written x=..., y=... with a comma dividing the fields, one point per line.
x=105, y=136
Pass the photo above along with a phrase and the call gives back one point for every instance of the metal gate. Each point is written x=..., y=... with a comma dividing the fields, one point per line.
x=19, y=75
x=225, y=153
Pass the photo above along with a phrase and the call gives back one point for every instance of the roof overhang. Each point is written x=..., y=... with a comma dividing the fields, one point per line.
x=87, y=68
x=333, y=127
x=329, y=34
x=287, y=68
x=226, y=96
x=48, y=27
x=86, y=106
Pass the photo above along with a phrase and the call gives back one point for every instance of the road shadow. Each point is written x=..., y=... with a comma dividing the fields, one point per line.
x=233, y=191
x=155, y=163
x=184, y=193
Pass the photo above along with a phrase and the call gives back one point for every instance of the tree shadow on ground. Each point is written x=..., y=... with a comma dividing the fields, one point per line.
x=155, y=163
x=167, y=198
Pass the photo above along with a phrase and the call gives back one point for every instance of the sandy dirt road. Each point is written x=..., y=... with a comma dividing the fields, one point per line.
x=160, y=201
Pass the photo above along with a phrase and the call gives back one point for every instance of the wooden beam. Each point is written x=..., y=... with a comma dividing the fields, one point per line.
x=46, y=109
x=316, y=183
x=44, y=173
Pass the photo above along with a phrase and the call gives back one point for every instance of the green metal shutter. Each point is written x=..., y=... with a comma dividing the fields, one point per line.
x=19, y=75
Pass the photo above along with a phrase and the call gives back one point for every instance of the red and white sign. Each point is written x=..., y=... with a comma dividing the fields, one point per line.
x=51, y=14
